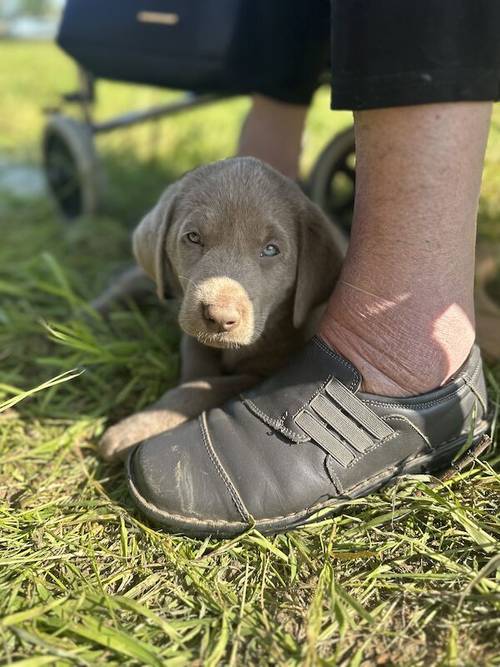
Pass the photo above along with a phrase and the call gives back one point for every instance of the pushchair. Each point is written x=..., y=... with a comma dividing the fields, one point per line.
x=73, y=168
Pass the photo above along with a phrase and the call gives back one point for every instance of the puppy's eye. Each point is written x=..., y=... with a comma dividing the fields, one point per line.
x=270, y=250
x=194, y=237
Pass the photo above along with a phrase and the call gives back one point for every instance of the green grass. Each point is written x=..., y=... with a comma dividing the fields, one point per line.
x=406, y=577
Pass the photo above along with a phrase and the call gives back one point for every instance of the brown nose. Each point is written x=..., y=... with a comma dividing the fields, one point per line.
x=220, y=318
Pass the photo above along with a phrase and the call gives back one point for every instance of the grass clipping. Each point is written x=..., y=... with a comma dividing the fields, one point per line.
x=409, y=576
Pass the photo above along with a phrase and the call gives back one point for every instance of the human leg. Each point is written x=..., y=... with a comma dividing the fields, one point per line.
x=422, y=113
x=317, y=431
x=403, y=309
x=272, y=132
x=309, y=437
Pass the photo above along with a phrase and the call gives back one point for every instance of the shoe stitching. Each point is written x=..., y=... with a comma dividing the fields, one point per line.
x=278, y=423
x=419, y=406
x=279, y=426
x=328, y=350
x=478, y=396
x=220, y=469
x=476, y=370
x=467, y=371
x=335, y=478
x=404, y=419
x=221, y=522
x=464, y=376
x=275, y=423
x=372, y=449
x=316, y=393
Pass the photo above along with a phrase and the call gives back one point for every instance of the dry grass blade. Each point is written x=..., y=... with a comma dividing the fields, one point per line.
x=405, y=577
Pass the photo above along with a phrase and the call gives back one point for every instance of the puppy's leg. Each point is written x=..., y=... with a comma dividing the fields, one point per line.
x=173, y=408
x=198, y=361
x=132, y=284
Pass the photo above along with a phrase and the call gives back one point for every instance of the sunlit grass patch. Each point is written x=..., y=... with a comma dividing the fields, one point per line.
x=409, y=576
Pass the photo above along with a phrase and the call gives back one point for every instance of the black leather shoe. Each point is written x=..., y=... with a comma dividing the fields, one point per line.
x=303, y=440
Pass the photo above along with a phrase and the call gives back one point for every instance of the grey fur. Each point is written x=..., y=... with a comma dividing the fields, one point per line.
x=237, y=206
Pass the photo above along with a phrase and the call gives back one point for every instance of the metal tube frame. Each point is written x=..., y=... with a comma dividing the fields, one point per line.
x=85, y=97
x=187, y=101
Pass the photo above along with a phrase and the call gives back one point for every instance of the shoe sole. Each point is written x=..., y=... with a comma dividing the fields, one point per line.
x=424, y=463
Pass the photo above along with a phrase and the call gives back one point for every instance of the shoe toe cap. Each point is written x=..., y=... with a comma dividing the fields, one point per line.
x=175, y=482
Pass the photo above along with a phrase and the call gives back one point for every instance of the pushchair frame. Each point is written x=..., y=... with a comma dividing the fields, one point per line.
x=75, y=174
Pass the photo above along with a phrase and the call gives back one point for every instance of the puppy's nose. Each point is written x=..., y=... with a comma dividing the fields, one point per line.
x=220, y=318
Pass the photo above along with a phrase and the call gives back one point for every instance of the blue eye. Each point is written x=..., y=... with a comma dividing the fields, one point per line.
x=271, y=250
x=194, y=237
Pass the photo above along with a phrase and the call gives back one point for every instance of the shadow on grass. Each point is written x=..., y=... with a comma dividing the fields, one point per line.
x=134, y=183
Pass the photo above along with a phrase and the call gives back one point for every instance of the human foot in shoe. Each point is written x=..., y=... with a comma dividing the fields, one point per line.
x=304, y=440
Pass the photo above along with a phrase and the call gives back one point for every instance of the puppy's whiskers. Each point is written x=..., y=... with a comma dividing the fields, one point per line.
x=189, y=280
x=207, y=338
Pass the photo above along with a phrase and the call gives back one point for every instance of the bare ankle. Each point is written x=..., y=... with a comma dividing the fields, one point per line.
x=397, y=351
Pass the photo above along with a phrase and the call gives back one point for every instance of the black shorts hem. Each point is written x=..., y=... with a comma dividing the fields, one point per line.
x=292, y=95
x=413, y=88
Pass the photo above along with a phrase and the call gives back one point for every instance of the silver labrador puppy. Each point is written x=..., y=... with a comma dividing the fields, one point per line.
x=252, y=261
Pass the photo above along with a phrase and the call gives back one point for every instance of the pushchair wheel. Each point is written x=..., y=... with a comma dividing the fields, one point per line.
x=332, y=180
x=72, y=167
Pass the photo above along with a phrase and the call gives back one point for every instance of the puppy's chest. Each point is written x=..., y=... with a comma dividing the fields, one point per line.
x=262, y=358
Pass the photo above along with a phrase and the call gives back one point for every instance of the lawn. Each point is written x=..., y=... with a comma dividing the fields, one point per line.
x=409, y=576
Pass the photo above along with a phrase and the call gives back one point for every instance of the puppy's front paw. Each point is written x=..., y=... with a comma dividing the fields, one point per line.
x=120, y=438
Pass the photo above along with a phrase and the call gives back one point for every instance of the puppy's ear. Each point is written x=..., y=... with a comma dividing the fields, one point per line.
x=149, y=243
x=321, y=249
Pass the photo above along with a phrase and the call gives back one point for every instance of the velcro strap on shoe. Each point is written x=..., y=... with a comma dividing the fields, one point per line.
x=357, y=409
x=341, y=424
x=324, y=438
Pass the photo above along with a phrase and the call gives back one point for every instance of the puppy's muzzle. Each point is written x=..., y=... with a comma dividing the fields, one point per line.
x=219, y=312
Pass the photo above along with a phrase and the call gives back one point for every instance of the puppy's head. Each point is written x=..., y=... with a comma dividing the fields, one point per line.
x=239, y=243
